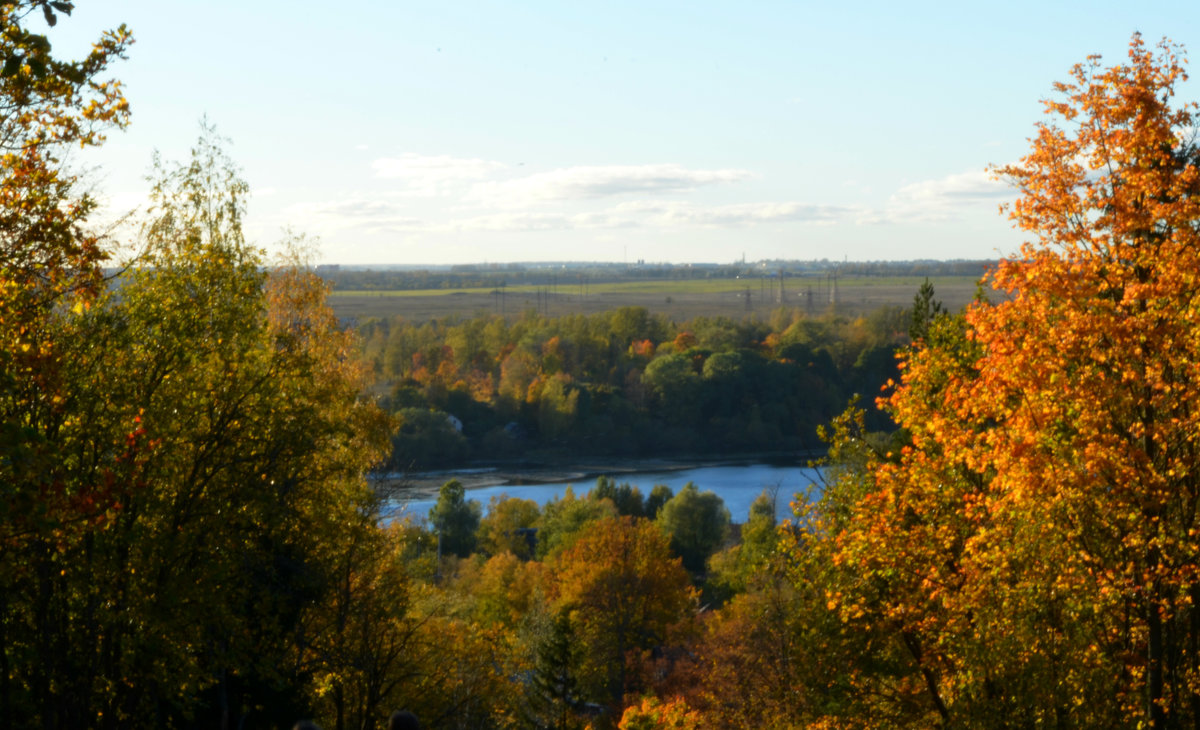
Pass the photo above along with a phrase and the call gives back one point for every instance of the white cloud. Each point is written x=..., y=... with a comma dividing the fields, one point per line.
x=659, y=215
x=737, y=214
x=949, y=198
x=383, y=216
x=355, y=208
x=589, y=182
x=656, y=215
x=944, y=199
x=360, y=214
x=508, y=222
x=433, y=174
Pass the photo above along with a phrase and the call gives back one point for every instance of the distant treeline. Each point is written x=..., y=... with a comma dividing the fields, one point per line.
x=482, y=276
x=623, y=383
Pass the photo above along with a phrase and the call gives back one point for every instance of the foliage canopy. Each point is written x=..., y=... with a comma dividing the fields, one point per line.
x=1035, y=544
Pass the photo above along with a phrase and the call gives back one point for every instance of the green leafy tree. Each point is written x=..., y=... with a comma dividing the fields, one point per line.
x=660, y=494
x=626, y=498
x=356, y=643
x=455, y=519
x=558, y=406
x=242, y=375
x=924, y=310
x=697, y=524
x=49, y=273
x=554, y=697
x=426, y=438
x=509, y=527
x=505, y=589
x=673, y=381
x=563, y=519
x=246, y=441
x=736, y=568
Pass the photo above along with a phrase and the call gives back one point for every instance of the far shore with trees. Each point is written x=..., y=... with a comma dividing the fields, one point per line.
x=624, y=384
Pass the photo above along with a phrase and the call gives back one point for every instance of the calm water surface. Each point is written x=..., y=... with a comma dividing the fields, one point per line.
x=738, y=485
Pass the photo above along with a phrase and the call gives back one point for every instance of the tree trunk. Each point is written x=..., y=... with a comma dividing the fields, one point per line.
x=1154, y=667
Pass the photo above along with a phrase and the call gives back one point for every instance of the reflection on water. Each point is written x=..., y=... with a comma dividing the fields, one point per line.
x=737, y=485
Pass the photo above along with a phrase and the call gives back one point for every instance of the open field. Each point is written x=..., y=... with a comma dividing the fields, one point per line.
x=676, y=299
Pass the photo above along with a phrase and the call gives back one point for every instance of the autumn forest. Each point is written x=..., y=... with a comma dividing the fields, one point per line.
x=194, y=532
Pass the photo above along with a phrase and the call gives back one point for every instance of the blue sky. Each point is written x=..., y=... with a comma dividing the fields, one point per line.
x=446, y=132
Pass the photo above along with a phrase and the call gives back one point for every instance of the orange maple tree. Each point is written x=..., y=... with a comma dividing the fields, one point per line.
x=1037, y=545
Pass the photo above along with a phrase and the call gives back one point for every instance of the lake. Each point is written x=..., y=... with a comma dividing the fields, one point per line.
x=738, y=485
